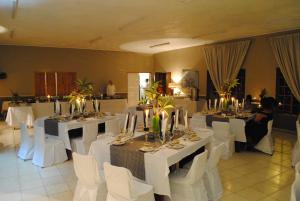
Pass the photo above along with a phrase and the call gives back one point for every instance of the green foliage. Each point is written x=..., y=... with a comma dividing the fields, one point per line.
x=83, y=89
x=160, y=103
x=227, y=87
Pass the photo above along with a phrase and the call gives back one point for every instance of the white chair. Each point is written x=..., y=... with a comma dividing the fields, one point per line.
x=112, y=127
x=26, y=148
x=82, y=144
x=188, y=185
x=198, y=121
x=47, y=151
x=295, y=188
x=40, y=122
x=266, y=143
x=91, y=183
x=222, y=135
x=296, y=149
x=122, y=186
x=212, y=180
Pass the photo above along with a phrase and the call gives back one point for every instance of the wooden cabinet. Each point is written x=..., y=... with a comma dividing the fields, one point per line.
x=54, y=83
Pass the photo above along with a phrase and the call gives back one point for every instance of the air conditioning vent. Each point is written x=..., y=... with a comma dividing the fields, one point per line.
x=3, y=75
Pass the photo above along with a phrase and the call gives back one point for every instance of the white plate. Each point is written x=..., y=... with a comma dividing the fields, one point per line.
x=118, y=143
x=175, y=146
x=147, y=149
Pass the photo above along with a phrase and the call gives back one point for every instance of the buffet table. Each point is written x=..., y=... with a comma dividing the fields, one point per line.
x=156, y=164
x=19, y=114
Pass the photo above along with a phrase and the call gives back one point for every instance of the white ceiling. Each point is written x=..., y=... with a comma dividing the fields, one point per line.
x=135, y=25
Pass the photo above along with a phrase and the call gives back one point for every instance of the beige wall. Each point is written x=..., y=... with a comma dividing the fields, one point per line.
x=20, y=63
x=177, y=60
x=259, y=63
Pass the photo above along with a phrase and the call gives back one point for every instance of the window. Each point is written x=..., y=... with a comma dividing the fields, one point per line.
x=289, y=103
x=238, y=91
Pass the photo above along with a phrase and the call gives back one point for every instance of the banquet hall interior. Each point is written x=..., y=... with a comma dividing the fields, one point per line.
x=130, y=100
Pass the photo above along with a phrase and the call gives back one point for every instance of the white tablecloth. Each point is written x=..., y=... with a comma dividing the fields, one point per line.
x=19, y=114
x=156, y=164
x=64, y=127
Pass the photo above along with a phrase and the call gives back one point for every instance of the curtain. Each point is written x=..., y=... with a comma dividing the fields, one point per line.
x=224, y=61
x=286, y=49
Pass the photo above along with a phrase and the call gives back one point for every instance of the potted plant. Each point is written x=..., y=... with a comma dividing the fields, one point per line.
x=160, y=104
x=78, y=96
x=226, y=90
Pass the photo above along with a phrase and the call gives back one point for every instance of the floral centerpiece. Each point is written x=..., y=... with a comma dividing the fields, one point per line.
x=78, y=96
x=226, y=91
x=159, y=103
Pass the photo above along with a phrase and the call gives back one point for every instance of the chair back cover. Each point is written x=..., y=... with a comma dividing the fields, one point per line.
x=39, y=136
x=297, y=170
x=198, y=121
x=221, y=130
x=86, y=169
x=119, y=182
x=237, y=128
x=197, y=169
x=24, y=133
x=295, y=190
x=40, y=122
x=113, y=126
x=90, y=132
x=215, y=155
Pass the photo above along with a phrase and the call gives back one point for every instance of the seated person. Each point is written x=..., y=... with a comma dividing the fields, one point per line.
x=257, y=127
x=248, y=103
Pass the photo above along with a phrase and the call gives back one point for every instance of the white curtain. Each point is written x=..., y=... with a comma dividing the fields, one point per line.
x=225, y=60
x=286, y=49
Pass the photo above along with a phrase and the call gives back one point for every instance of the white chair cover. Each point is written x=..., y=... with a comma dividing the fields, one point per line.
x=90, y=184
x=122, y=187
x=26, y=147
x=40, y=122
x=188, y=185
x=222, y=135
x=212, y=180
x=47, y=152
x=266, y=144
x=237, y=128
x=198, y=121
x=296, y=149
x=112, y=126
x=82, y=144
x=295, y=190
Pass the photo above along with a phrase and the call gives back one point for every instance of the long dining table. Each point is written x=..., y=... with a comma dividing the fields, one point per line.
x=156, y=164
x=61, y=129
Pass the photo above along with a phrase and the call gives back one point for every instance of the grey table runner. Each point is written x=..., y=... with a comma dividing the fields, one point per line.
x=130, y=157
x=51, y=127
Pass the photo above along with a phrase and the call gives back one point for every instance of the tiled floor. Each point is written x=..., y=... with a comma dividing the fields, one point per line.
x=246, y=176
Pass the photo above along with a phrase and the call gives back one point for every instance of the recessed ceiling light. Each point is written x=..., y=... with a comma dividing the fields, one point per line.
x=3, y=29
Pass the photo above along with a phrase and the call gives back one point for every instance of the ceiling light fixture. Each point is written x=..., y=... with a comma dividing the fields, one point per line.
x=3, y=29
x=160, y=44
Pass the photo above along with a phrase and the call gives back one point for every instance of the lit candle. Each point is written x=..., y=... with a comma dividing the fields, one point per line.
x=125, y=123
x=146, y=119
x=48, y=97
x=176, y=118
x=232, y=100
x=209, y=104
x=222, y=100
x=186, y=120
x=216, y=101
x=132, y=123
